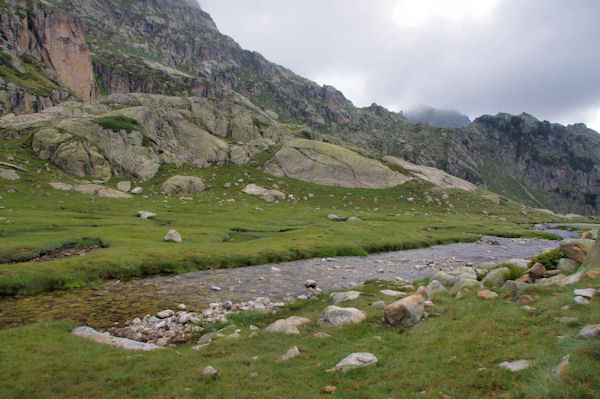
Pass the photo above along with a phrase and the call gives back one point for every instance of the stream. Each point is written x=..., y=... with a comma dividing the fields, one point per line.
x=99, y=306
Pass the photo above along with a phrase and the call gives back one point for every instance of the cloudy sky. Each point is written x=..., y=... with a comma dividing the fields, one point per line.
x=475, y=56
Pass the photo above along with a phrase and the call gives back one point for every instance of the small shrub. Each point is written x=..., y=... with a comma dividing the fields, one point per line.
x=259, y=124
x=549, y=259
x=306, y=134
x=117, y=123
x=514, y=271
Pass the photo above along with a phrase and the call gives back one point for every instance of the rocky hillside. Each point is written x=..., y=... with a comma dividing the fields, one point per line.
x=172, y=47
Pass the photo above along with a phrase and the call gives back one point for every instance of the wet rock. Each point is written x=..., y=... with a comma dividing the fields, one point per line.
x=290, y=354
x=146, y=214
x=339, y=297
x=590, y=331
x=355, y=360
x=107, y=339
x=517, y=365
x=334, y=316
x=405, y=312
x=173, y=235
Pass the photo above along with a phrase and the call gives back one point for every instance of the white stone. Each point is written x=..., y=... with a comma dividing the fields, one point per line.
x=173, y=236
x=585, y=292
x=137, y=190
x=354, y=360
x=339, y=297
x=291, y=353
x=124, y=186
x=517, y=365
x=393, y=293
x=146, y=214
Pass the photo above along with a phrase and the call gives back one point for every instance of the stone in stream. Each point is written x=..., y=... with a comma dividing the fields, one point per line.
x=355, y=360
x=406, y=312
x=339, y=297
x=107, y=339
x=517, y=365
x=173, y=235
x=334, y=316
x=290, y=354
x=590, y=331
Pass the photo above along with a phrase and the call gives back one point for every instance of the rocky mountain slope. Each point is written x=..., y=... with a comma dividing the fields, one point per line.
x=172, y=47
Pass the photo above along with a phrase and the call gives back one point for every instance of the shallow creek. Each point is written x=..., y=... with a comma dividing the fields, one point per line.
x=101, y=305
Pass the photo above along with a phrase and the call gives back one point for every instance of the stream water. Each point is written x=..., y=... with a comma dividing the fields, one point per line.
x=101, y=305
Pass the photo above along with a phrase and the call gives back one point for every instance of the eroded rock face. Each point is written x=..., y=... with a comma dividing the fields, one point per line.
x=433, y=175
x=331, y=165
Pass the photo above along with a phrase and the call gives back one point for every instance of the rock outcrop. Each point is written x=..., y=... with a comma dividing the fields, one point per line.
x=331, y=165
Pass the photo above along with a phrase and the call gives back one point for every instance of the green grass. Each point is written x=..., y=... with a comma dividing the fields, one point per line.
x=117, y=123
x=549, y=259
x=455, y=352
x=218, y=233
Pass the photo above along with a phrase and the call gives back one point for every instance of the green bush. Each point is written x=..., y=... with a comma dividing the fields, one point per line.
x=258, y=123
x=117, y=123
x=549, y=259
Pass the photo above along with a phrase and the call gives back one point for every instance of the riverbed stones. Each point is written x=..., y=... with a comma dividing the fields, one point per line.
x=290, y=354
x=339, y=297
x=182, y=185
x=590, y=331
x=163, y=314
x=576, y=249
x=567, y=266
x=146, y=214
x=287, y=326
x=356, y=360
x=173, y=236
x=495, y=277
x=117, y=342
x=405, y=312
x=124, y=186
x=335, y=316
x=517, y=365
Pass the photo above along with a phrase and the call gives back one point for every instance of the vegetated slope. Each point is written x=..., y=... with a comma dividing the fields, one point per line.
x=437, y=117
x=173, y=47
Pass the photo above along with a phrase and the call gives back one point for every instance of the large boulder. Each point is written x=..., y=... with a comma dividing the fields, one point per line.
x=331, y=165
x=355, y=360
x=432, y=175
x=335, y=316
x=449, y=278
x=100, y=191
x=576, y=249
x=463, y=283
x=287, y=326
x=592, y=261
x=405, y=312
x=266, y=194
x=182, y=185
x=495, y=277
x=567, y=266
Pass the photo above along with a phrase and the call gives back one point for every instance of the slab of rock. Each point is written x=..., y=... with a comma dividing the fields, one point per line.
x=182, y=185
x=393, y=293
x=487, y=294
x=581, y=300
x=405, y=312
x=434, y=286
x=287, y=326
x=107, y=339
x=336, y=218
x=100, y=191
x=173, y=235
x=576, y=249
x=291, y=353
x=517, y=365
x=355, y=360
x=567, y=266
x=436, y=176
x=378, y=304
x=331, y=165
x=124, y=186
x=334, y=316
x=591, y=331
x=61, y=186
x=495, y=277
x=137, y=190
x=9, y=174
x=146, y=214
x=339, y=297
x=321, y=334
x=572, y=279
x=163, y=314
x=585, y=292
x=554, y=280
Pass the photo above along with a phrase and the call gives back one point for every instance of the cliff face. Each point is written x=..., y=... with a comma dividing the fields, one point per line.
x=43, y=57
